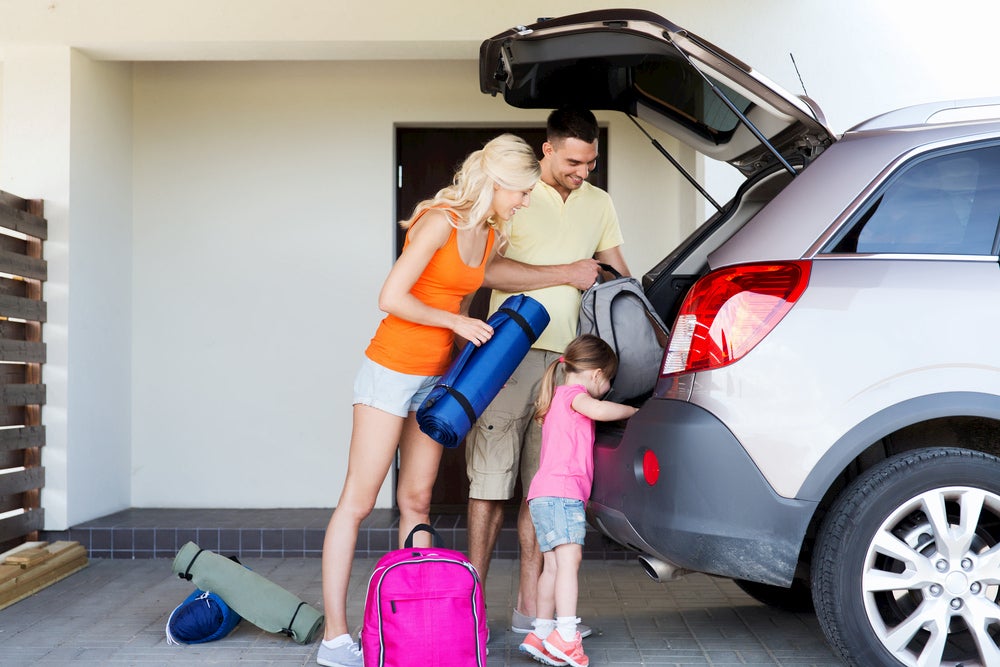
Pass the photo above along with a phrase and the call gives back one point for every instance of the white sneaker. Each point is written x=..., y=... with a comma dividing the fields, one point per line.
x=345, y=655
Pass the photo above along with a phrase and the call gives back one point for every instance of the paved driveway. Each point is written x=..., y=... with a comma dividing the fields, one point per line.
x=114, y=612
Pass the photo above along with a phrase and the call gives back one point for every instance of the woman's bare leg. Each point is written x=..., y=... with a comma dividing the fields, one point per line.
x=374, y=438
x=419, y=458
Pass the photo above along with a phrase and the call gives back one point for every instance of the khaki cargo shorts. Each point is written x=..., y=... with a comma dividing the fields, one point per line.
x=506, y=440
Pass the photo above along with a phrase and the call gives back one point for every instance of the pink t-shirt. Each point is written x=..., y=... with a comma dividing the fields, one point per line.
x=566, y=468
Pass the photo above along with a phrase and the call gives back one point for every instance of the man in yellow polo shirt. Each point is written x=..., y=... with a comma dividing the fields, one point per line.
x=553, y=250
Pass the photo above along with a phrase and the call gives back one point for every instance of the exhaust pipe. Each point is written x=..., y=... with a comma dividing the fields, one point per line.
x=659, y=570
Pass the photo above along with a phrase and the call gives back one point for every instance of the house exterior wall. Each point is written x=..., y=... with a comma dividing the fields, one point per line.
x=263, y=228
x=219, y=185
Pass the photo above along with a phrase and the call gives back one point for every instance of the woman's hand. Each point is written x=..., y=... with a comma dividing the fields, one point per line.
x=475, y=331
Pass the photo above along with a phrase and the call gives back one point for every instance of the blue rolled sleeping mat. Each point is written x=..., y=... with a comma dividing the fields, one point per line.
x=478, y=374
x=257, y=599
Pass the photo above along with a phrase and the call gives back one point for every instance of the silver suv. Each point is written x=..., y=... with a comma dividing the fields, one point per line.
x=826, y=420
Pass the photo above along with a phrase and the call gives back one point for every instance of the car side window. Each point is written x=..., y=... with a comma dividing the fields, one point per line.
x=945, y=204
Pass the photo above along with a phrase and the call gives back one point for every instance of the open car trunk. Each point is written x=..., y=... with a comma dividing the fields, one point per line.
x=657, y=73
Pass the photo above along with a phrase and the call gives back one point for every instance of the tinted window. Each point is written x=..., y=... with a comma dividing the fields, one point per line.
x=674, y=88
x=946, y=204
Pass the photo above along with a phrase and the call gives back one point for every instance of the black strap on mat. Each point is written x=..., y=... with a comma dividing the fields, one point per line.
x=464, y=402
x=288, y=631
x=187, y=572
x=521, y=322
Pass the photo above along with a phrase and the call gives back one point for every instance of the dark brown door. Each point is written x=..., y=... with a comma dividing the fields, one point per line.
x=426, y=161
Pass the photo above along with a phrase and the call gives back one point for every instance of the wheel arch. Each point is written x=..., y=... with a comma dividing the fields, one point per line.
x=968, y=420
x=908, y=425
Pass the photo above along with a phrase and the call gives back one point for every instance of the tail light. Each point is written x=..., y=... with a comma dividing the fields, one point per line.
x=729, y=311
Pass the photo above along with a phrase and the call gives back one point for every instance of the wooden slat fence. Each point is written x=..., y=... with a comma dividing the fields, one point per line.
x=22, y=353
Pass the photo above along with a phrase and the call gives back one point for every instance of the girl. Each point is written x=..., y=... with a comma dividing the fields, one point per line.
x=561, y=487
x=449, y=240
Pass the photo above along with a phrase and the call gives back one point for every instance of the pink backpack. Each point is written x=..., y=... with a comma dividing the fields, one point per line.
x=425, y=606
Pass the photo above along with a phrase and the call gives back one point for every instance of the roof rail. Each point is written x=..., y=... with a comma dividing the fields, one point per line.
x=950, y=111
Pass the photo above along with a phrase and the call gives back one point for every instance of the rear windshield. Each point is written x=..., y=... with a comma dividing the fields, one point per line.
x=672, y=87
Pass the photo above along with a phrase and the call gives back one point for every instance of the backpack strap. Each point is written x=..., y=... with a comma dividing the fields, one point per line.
x=427, y=528
x=610, y=269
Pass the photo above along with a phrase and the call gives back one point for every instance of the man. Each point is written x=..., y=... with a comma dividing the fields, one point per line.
x=552, y=254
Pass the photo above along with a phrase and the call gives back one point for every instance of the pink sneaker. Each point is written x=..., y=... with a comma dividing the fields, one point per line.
x=571, y=652
x=533, y=646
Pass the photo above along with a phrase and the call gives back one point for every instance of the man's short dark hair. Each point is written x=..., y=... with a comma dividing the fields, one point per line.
x=571, y=123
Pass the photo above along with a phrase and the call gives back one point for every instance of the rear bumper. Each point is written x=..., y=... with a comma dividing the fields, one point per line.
x=711, y=510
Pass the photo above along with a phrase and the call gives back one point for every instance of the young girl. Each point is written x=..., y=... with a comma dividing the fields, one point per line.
x=449, y=240
x=561, y=487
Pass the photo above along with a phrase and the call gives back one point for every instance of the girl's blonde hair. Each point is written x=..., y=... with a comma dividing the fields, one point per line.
x=586, y=352
x=506, y=160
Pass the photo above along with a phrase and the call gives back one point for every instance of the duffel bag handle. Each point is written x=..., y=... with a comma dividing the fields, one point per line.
x=427, y=528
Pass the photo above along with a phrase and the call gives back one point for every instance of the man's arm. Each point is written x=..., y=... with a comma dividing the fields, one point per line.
x=510, y=275
x=615, y=258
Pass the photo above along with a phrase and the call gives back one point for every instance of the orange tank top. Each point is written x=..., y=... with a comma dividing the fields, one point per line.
x=418, y=349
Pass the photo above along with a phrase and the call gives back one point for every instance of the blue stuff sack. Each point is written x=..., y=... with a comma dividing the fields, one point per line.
x=202, y=617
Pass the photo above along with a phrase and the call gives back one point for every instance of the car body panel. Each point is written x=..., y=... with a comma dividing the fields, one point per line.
x=818, y=395
x=747, y=532
x=924, y=408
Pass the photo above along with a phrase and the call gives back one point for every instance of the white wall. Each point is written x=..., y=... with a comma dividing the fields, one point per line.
x=99, y=334
x=264, y=217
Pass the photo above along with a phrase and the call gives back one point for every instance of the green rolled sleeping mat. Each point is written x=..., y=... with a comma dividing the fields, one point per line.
x=260, y=601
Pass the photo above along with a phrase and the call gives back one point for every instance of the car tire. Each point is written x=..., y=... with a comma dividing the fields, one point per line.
x=797, y=598
x=902, y=571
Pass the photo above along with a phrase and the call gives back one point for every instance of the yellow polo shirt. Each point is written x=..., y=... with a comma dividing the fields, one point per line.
x=551, y=231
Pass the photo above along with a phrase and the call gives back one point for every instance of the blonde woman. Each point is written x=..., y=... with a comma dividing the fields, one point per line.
x=449, y=240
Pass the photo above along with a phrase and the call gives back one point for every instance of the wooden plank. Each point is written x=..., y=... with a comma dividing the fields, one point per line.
x=22, y=438
x=22, y=308
x=29, y=558
x=22, y=350
x=22, y=480
x=61, y=552
x=21, y=265
x=45, y=580
x=22, y=394
x=20, y=525
x=21, y=547
x=23, y=222
x=44, y=575
x=15, y=244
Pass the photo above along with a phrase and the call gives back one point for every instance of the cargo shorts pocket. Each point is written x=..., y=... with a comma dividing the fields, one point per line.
x=494, y=446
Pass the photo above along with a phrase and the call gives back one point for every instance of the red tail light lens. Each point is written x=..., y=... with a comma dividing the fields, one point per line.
x=729, y=311
x=650, y=467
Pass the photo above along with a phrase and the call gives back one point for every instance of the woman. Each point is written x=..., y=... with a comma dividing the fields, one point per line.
x=449, y=240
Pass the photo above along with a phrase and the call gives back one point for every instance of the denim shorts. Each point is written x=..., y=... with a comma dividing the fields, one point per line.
x=389, y=391
x=557, y=521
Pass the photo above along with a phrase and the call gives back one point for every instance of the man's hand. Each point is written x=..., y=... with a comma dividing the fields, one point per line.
x=582, y=273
